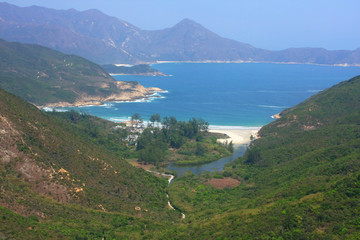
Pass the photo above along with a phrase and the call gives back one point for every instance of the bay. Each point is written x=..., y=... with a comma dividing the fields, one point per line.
x=225, y=94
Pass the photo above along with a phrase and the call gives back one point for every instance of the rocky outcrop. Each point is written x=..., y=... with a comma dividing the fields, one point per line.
x=127, y=91
x=41, y=178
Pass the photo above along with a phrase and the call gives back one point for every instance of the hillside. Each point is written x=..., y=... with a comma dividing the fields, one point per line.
x=63, y=181
x=299, y=180
x=46, y=77
x=108, y=40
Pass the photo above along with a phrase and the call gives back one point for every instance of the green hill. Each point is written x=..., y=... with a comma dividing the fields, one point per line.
x=62, y=178
x=44, y=76
x=299, y=180
x=64, y=175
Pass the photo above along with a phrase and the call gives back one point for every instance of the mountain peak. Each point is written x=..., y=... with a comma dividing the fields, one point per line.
x=187, y=22
x=94, y=12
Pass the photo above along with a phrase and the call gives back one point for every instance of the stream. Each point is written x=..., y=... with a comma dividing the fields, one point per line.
x=217, y=165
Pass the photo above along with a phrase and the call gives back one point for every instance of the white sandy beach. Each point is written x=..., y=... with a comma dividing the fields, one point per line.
x=237, y=135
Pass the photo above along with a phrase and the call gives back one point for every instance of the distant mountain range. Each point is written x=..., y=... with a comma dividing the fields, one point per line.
x=104, y=39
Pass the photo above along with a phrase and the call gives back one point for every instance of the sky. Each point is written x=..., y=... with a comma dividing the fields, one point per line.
x=267, y=24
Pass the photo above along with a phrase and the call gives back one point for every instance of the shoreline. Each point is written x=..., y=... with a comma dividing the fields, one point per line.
x=243, y=61
x=152, y=74
x=101, y=102
x=236, y=134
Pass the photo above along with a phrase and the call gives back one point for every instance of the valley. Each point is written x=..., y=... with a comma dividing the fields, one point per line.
x=179, y=133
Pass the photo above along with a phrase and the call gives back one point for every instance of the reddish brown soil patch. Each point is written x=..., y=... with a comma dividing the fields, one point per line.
x=224, y=182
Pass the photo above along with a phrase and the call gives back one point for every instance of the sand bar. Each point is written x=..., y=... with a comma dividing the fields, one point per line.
x=238, y=135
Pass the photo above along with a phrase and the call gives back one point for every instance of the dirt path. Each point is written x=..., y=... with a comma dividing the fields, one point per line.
x=170, y=178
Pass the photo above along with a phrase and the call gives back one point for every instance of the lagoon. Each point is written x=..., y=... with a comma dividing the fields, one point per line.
x=218, y=165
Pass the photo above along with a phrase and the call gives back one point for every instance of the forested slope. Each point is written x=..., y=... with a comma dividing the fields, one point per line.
x=67, y=181
x=300, y=179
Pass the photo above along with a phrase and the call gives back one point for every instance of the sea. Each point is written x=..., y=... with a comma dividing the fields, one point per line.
x=227, y=95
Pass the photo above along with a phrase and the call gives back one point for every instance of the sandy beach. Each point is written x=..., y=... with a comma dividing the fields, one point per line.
x=237, y=135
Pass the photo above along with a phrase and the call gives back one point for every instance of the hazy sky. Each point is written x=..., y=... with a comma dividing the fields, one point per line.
x=269, y=24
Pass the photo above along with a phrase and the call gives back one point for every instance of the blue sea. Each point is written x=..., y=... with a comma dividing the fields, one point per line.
x=225, y=94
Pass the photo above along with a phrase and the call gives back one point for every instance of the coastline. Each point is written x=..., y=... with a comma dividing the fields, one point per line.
x=150, y=74
x=89, y=103
x=243, y=61
x=128, y=93
x=236, y=134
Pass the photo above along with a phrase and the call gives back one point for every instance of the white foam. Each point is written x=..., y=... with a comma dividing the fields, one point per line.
x=148, y=99
x=119, y=119
x=84, y=106
x=49, y=109
x=108, y=104
x=272, y=106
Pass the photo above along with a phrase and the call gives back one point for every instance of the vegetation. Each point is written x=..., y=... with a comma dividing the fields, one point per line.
x=42, y=76
x=299, y=179
x=64, y=176
x=189, y=142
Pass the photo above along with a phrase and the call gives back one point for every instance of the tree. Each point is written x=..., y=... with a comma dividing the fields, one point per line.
x=166, y=122
x=137, y=119
x=155, y=118
x=152, y=154
x=253, y=156
x=172, y=122
x=200, y=149
x=231, y=147
x=203, y=125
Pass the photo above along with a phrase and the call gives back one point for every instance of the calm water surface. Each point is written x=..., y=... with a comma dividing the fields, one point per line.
x=226, y=94
x=218, y=165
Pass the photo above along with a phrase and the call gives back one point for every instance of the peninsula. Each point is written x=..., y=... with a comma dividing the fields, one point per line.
x=48, y=78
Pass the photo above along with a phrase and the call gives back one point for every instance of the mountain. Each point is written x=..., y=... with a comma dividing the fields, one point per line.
x=64, y=176
x=103, y=39
x=189, y=41
x=299, y=180
x=90, y=34
x=46, y=77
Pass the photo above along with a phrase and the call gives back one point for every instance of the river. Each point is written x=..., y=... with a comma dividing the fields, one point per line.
x=218, y=165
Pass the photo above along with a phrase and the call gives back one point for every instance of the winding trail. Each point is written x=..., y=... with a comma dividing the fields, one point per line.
x=170, y=179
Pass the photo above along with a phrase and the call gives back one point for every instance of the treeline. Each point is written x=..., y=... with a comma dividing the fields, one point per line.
x=155, y=140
